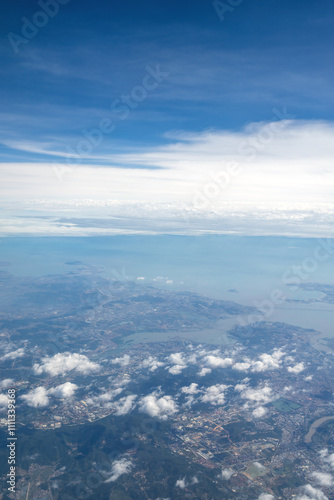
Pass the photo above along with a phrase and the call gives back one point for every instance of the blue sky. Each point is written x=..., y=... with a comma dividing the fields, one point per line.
x=223, y=75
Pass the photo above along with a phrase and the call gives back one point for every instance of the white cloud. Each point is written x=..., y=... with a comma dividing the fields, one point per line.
x=63, y=391
x=226, y=474
x=204, y=371
x=323, y=478
x=326, y=457
x=261, y=394
x=194, y=480
x=181, y=483
x=242, y=366
x=258, y=465
x=310, y=493
x=37, y=398
x=14, y=354
x=118, y=468
x=62, y=363
x=6, y=383
x=3, y=401
x=190, y=389
x=266, y=496
x=218, y=362
x=124, y=405
x=177, y=358
x=259, y=412
x=308, y=378
x=177, y=369
x=152, y=363
x=123, y=361
x=268, y=361
x=155, y=406
x=285, y=176
x=215, y=394
x=297, y=368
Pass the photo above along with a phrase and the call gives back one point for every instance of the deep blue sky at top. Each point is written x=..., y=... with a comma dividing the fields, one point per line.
x=222, y=74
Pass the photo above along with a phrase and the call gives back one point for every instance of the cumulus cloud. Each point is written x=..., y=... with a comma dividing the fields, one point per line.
x=268, y=361
x=266, y=496
x=327, y=457
x=63, y=391
x=3, y=401
x=308, y=492
x=258, y=465
x=259, y=412
x=123, y=361
x=215, y=394
x=181, y=483
x=190, y=389
x=297, y=368
x=124, y=405
x=261, y=394
x=226, y=474
x=118, y=468
x=323, y=478
x=204, y=371
x=14, y=354
x=176, y=369
x=62, y=363
x=6, y=383
x=152, y=363
x=218, y=362
x=161, y=407
x=37, y=398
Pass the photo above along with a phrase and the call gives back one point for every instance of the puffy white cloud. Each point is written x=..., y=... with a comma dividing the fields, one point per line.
x=14, y=354
x=176, y=369
x=326, y=457
x=261, y=394
x=194, y=480
x=268, y=361
x=155, y=406
x=118, y=468
x=63, y=391
x=215, y=394
x=259, y=412
x=123, y=361
x=204, y=371
x=308, y=378
x=3, y=401
x=323, y=478
x=242, y=366
x=218, y=362
x=177, y=358
x=181, y=483
x=266, y=496
x=258, y=465
x=226, y=474
x=190, y=389
x=108, y=395
x=62, y=363
x=124, y=405
x=297, y=368
x=310, y=493
x=152, y=363
x=37, y=398
x=6, y=383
